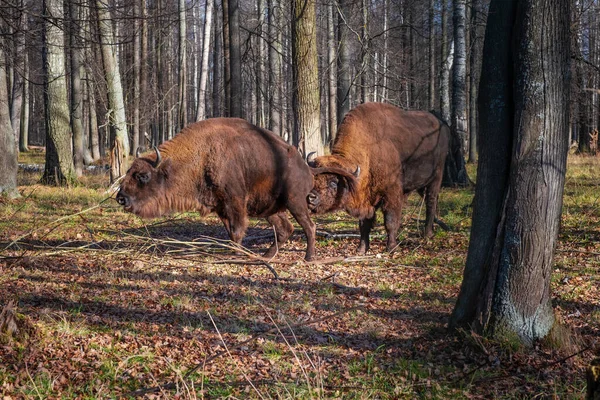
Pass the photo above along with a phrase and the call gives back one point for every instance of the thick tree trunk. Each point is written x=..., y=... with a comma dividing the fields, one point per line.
x=524, y=113
x=59, y=168
x=118, y=125
x=8, y=147
x=204, y=71
x=307, y=102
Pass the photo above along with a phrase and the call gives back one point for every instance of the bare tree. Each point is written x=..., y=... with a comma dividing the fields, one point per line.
x=118, y=126
x=332, y=68
x=76, y=95
x=235, y=66
x=275, y=67
x=59, y=168
x=307, y=104
x=204, y=71
x=521, y=173
x=344, y=69
x=182, y=69
x=8, y=147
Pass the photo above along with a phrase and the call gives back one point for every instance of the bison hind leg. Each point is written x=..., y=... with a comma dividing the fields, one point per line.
x=283, y=230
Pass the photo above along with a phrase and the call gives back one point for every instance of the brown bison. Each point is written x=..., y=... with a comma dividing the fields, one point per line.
x=398, y=152
x=230, y=167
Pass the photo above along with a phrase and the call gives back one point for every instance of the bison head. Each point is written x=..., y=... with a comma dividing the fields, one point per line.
x=331, y=189
x=143, y=189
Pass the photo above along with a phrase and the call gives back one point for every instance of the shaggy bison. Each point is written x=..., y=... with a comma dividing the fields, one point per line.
x=230, y=167
x=397, y=151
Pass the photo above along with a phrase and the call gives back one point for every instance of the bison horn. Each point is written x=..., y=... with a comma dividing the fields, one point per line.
x=158, y=157
x=138, y=152
x=309, y=156
x=357, y=172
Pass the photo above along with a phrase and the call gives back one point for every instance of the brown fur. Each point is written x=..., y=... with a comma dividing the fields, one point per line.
x=226, y=166
x=398, y=152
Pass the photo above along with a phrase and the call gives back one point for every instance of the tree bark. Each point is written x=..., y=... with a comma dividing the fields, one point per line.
x=431, y=55
x=332, y=68
x=119, y=138
x=307, y=103
x=182, y=69
x=8, y=147
x=59, y=168
x=235, y=65
x=201, y=114
x=24, y=122
x=447, y=58
x=344, y=68
x=473, y=79
x=275, y=72
x=524, y=113
x=76, y=95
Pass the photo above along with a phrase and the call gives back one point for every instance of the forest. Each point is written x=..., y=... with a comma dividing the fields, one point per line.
x=500, y=300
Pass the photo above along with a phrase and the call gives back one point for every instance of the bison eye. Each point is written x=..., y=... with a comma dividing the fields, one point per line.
x=333, y=185
x=143, y=177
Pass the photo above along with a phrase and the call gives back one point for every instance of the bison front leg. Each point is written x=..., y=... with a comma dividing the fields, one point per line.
x=392, y=217
x=283, y=229
x=234, y=217
x=301, y=214
x=365, y=225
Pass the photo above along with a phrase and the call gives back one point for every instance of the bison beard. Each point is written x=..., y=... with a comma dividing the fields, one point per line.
x=398, y=152
x=226, y=166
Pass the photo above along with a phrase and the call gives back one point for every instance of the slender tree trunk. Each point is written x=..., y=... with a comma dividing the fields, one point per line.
x=344, y=69
x=76, y=95
x=137, y=139
x=447, y=53
x=17, y=66
x=364, y=53
x=521, y=172
x=205, y=57
x=275, y=72
x=473, y=80
x=459, y=74
x=226, y=58
x=24, y=122
x=59, y=168
x=8, y=147
x=431, y=55
x=235, y=58
x=218, y=83
x=386, y=13
x=332, y=68
x=455, y=173
x=119, y=139
x=307, y=103
x=144, y=124
x=182, y=68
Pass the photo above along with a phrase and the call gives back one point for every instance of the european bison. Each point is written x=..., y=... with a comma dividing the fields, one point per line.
x=398, y=152
x=230, y=167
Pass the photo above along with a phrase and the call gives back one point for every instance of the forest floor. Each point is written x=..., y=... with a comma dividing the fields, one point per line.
x=111, y=306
